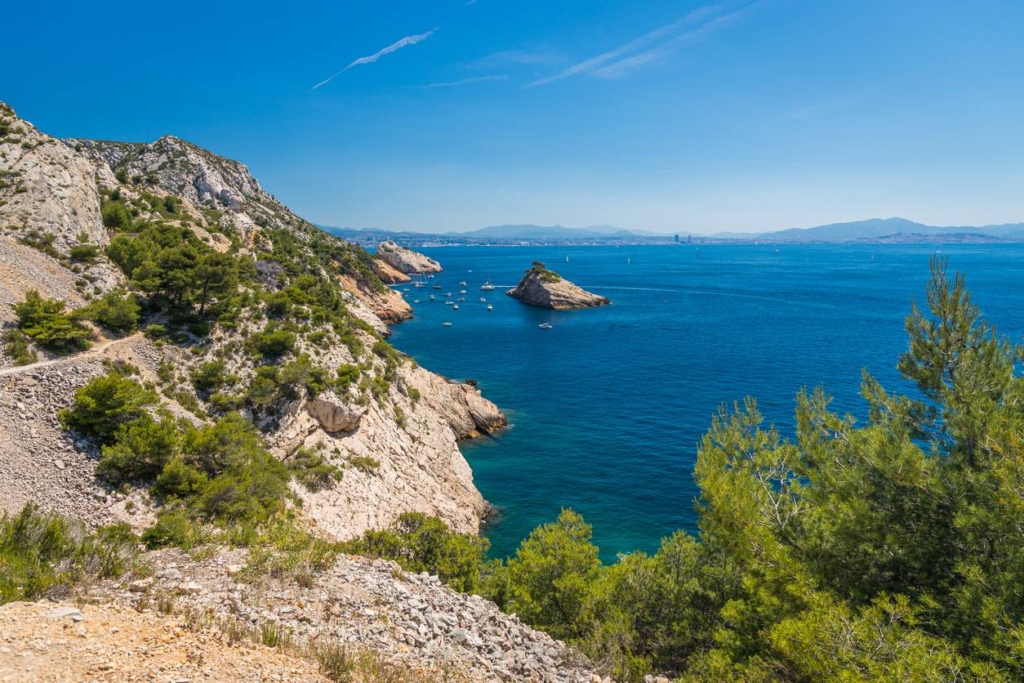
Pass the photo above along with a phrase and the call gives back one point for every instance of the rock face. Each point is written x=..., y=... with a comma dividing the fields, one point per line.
x=406, y=260
x=547, y=289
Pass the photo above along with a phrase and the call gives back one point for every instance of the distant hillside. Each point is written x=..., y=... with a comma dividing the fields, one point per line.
x=878, y=228
x=550, y=232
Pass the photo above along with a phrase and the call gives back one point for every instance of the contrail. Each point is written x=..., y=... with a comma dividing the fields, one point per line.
x=408, y=40
x=465, y=81
x=658, y=35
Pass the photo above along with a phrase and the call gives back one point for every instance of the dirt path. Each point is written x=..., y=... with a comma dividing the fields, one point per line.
x=49, y=642
x=94, y=351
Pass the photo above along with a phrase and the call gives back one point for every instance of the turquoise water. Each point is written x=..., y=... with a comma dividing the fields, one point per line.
x=608, y=406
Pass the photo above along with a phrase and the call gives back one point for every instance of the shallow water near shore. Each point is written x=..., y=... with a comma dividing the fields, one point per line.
x=607, y=407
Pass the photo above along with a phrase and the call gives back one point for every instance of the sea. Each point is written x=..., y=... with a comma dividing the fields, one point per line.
x=608, y=406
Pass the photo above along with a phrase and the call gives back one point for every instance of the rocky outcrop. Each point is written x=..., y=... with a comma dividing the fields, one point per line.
x=386, y=303
x=406, y=260
x=399, y=454
x=387, y=273
x=547, y=289
x=333, y=414
x=46, y=188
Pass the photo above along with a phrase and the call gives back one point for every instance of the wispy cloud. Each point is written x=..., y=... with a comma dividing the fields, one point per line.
x=394, y=47
x=650, y=46
x=624, y=66
x=465, y=81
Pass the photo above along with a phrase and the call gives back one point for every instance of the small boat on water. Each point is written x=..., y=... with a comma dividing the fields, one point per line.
x=419, y=285
x=446, y=324
x=415, y=301
x=462, y=291
x=487, y=286
x=455, y=307
x=462, y=298
x=449, y=303
x=432, y=297
x=490, y=307
x=462, y=283
x=545, y=326
x=483, y=299
x=437, y=286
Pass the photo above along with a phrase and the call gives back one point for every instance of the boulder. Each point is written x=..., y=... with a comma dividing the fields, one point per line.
x=333, y=414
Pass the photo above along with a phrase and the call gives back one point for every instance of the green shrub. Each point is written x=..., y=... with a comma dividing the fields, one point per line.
x=348, y=375
x=312, y=470
x=140, y=449
x=16, y=345
x=46, y=322
x=106, y=404
x=272, y=344
x=115, y=215
x=175, y=527
x=155, y=331
x=209, y=376
x=116, y=311
x=179, y=481
x=44, y=555
x=421, y=543
x=84, y=253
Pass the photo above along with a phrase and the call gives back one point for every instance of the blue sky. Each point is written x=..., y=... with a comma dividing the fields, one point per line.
x=667, y=116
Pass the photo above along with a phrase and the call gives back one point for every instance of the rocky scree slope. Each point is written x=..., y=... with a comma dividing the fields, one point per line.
x=547, y=289
x=424, y=630
x=296, y=345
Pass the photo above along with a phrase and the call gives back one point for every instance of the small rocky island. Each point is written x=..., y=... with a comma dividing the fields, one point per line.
x=406, y=260
x=547, y=289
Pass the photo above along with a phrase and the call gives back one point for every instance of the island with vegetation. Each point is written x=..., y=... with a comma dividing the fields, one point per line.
x=545, y=288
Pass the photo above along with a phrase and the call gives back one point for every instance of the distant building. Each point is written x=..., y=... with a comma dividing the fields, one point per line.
x=677, y=239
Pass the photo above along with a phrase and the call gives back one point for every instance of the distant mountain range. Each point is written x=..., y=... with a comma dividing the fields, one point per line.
x=871, y=230
x=879, y=228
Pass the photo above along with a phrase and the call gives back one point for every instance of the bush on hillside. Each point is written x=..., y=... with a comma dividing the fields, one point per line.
x=106, y=404
x=47, y=323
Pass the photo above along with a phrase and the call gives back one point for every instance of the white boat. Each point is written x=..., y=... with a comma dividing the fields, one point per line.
x=455, y=307
x=462, y=298
x=432, y=297
x=462, y=291
x=449, y=303
x=462, y=283
x=447, y=324
x=415, y=301
x=487, y=286
x=545, y=326
x=490, y=307
x=419, y=285
x=483, y=299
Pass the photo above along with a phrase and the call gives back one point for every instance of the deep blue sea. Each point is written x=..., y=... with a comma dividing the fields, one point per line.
x=607, y=407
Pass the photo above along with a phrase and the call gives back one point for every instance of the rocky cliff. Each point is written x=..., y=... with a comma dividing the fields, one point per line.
x=393, y=428
x=406, y=260
x=547, y=289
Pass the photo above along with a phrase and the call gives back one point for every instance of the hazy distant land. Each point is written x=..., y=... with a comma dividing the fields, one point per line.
x=874, y=230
